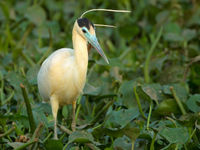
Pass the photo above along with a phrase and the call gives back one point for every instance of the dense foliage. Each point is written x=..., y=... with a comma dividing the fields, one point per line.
x=148, y=97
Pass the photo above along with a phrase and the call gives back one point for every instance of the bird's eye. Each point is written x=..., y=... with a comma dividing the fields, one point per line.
x=84, y=31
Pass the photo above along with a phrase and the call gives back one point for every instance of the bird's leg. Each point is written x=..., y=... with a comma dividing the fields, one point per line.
x=74, y=116
x=54, y=107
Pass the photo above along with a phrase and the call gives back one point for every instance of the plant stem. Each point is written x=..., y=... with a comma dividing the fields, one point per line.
x=27, y=59
x=8, y=132
x=149, y=115
x=77, y=111
x=26, y=34
x=91, y=146
x=193, y=132
x=126, y=52
x=150, y=52
x=173, y=121
x=28, y=108
x=153, y=141
x=79, y=107
x=185, y=147
x=180, y=105
x=176, y=147
x=38, y=131
x=9, y=98
x=97, y=126
x=138, y=102
x=65, y=129
x=26, y=144
x=36, y=135
x=132, y=147
x=2, y=89
x=47, y=137
x=65, y=147
x=101, y=112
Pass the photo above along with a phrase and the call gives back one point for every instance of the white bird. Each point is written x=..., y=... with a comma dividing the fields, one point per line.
x=62, y=75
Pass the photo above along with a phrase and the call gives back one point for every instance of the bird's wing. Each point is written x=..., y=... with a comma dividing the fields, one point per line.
x=42, y=78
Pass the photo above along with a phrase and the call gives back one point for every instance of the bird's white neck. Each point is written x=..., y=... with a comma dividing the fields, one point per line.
x=81, y=52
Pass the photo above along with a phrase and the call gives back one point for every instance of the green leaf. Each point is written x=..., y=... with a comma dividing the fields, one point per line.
x=172, y=74
x=65, y=111
x=115, y=62
x=42, y=31
x=162, y=16
x=128, y=31
x=193, y=103
x=122, y=143
x=189, y=34
x=16, y=118
x=158, y=62
x=132, y=133
x=91, y=90
x=173, y=37
x=81, y=137
x=189, y=119
x=172, y=32
x=166, y=107
x=39, y=112
x=5, y=10
x=181, y=90
x=195, y=18
x=153, y=91
x=15, y=80
x=32, y=75
x=175, y=135
x=147, y=134
x=15, y=144
x=127, y=94
x=36, y=14
x=53, y=144
x=172, y=28
x=120, y=118
x=149, y=92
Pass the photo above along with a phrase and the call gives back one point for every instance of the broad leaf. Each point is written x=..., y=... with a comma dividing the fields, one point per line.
x=36, y=14
x=166, y=107
x=175, y=135
x=126, y=94
x=81, y=137
x=120, y=118
x=193, y=103
x=122, y=143
x=53, y=144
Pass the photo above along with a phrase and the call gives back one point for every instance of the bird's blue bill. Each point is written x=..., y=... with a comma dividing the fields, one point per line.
x=93, y=41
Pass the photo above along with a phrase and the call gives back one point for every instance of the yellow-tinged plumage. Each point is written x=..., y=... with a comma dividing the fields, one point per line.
x=62, y=75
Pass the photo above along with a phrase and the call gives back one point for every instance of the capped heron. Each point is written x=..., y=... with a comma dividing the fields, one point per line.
x=62, y=75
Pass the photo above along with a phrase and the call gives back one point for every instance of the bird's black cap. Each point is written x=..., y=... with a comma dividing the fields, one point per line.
x=84, y=22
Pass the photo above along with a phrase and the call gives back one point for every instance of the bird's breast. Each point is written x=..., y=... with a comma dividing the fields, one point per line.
x=67, y=81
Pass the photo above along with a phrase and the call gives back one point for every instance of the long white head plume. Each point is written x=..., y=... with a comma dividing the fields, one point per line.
x=105, y=25
x=108, y=10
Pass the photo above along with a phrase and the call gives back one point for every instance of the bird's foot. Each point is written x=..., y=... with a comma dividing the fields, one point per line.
x=55, y=137
x=55, y=131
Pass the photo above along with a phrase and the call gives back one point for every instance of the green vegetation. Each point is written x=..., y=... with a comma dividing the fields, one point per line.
x=148, y=97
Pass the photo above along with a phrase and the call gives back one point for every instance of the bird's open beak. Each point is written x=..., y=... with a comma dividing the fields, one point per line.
x=93, y=41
